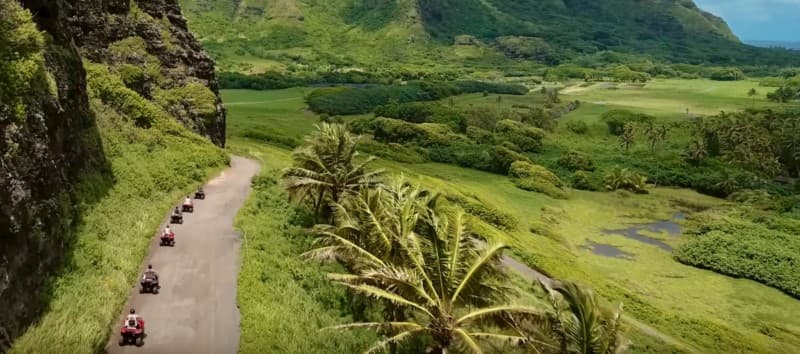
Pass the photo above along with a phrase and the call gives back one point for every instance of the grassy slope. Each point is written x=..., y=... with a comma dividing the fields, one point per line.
x=151, y=169
x=726, y=314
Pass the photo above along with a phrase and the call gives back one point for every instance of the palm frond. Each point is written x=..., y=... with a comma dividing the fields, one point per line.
x=492, y=254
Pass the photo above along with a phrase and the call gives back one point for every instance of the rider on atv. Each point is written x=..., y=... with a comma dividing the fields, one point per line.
x=134, y=321
x=187, y=201
x=177, y=211
x=150, y=280
x=167, y=231
x=150, y=274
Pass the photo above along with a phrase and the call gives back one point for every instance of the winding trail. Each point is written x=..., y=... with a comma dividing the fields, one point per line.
x=195, y=311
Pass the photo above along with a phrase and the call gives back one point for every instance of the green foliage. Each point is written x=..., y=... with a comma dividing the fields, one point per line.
x=527, y=48
x=528, y=139
x=623, y=178
x=501, y=159
x=22, y=72
x=578, y=127
x=617, y=119
x=585, y=180
x=726, y=74
x=535, y=178
x=349, y=100
x=746, y=243
x=151, y=169
x=485, y=212
x=576, y=161
x=192, y=99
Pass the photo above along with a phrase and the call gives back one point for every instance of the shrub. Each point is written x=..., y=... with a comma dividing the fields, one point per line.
x=726, y=74
x=584, y=180
x=617, y=119
x=349, y=100
x=745, y=243
x=578, y=127
x=535, y=178
x=486, y=212
x=502, y=158
x=623, y=178
x=576, y=161
x=479, y=135
x=528, y=139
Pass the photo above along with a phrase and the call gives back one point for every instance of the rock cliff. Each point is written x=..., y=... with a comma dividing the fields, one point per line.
x=48, y=136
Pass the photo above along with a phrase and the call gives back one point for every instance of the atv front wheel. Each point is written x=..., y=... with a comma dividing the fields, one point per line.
x=140, y=341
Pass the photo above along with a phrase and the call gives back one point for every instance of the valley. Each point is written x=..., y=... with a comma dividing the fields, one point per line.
x=579, y=238
x=395, y=176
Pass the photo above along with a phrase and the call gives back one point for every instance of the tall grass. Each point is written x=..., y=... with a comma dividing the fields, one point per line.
x=151, y=167
x=285, y=301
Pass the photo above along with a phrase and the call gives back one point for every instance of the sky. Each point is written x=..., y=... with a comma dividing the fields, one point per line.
x=774, y=20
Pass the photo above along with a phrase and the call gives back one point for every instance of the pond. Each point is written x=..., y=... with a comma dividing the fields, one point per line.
x=670, y=227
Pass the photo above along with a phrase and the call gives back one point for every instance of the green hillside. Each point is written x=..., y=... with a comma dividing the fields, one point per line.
x=258, y=35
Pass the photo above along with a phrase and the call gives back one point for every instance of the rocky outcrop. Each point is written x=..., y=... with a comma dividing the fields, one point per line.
x=48, y=135
x=47, y=138
x=103, y=29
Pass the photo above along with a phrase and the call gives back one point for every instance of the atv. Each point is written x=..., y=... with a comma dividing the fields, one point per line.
x=199, y=194
x=149, y=285
x=188, y=207
x=176, y=219
x=132, y=332
x=168, y=239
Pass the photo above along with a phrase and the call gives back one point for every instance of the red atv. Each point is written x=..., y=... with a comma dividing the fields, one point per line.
x=168, y=239
x=188, y=206
x=132, y=332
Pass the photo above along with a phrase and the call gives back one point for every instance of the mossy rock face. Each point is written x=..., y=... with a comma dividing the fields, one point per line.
x=536, y=178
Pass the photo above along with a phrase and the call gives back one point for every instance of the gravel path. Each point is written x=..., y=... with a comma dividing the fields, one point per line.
x=195, y=311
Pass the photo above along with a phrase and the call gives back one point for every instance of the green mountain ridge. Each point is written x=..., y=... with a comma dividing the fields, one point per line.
x=258, y=35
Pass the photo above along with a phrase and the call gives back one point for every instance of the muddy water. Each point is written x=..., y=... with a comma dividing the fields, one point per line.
x=670, y=227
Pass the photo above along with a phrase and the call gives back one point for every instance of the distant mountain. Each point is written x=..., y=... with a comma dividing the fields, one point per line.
x=272, y=33
x=774, y=44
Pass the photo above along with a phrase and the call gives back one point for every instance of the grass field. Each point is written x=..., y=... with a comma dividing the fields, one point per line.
x=700, y=310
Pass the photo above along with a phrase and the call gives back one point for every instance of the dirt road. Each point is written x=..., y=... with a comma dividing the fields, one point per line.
x=195, y=311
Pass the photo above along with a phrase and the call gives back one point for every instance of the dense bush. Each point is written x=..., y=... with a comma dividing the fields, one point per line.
x=576, y=161
x=726, y=74
x=486, y=212
x=623, y=178
x=536, y=178
x=528, y=139
x=585, y=181
x=422, y=112
x=767, y=251
x=351, y=100
x=578, y=127
x=502, y=158
x=617, y=118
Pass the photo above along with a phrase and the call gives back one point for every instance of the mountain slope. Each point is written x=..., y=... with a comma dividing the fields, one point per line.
x=269, y=34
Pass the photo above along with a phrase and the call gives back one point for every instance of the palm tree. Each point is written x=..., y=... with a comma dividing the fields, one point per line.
x=582, y=325
x=325, y=168
x=375, y=221
x=628, y=137
x=448, y=284
x=752, y=94
x=696, y=153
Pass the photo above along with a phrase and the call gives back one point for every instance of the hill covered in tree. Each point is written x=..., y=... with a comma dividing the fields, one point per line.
x=267, y=34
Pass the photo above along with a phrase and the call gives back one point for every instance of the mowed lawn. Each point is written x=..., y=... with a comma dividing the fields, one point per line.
x=671, y=98
x=702, y=310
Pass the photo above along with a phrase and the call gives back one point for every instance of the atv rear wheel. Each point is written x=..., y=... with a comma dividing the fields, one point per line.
x=121, y=341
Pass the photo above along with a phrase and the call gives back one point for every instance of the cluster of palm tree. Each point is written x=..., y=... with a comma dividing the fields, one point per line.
x=765, y=141
x=411, y=252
